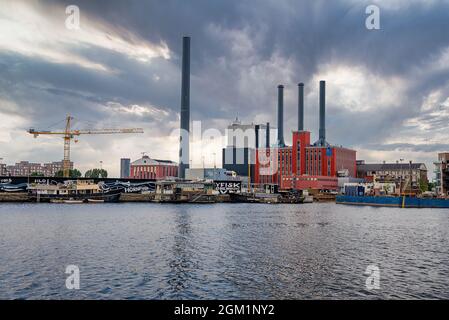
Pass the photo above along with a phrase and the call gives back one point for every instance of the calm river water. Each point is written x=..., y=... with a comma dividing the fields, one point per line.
x=222, y=251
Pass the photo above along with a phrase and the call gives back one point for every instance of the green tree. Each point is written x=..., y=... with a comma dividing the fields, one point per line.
x=75, y=173
x=36, y=174
x=423, y=185
x=96, y=173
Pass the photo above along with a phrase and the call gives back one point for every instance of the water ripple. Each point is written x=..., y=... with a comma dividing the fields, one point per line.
x=222, y=251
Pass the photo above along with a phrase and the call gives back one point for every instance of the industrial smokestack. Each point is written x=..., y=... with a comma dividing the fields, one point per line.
x=267, y=142
x=301, y=107
x=322, y=133
x=280, y=141
x=185, y=109
x=256, y=129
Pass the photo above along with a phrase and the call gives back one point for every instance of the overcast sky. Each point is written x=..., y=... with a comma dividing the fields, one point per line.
x=387, y=89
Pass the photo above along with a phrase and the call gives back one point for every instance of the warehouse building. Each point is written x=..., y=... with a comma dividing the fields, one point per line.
x=210, y=174
x=147, y=168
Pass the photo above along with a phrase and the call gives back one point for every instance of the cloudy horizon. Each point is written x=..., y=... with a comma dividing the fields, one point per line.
x=387, y=90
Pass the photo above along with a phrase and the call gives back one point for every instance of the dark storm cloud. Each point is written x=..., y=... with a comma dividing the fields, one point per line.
x=311, y=33
x=29, y=79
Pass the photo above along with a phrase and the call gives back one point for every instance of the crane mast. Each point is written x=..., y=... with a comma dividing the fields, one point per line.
x=68, y=134
x=67, y=138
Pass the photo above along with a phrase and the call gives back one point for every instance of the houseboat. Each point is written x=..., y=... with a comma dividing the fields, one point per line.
x=71, y=191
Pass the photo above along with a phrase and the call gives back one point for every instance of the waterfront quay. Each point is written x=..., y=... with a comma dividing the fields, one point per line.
x=61, y=190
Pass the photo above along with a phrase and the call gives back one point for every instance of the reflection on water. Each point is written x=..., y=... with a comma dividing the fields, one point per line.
x=181, y=263
x=222, y=251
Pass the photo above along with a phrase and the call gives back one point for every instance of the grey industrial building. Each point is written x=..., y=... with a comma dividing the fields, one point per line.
x=243, y=140
x=125, y=165
x=210, y=174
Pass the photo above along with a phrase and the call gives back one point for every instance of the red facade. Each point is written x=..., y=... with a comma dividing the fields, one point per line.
x=157, y=172
x=147, y=168
x=303, y=166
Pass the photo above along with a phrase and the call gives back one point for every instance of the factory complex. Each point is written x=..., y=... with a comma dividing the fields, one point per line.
x=304, y=165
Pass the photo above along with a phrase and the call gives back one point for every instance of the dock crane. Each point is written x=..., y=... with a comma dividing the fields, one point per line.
x=69, y=134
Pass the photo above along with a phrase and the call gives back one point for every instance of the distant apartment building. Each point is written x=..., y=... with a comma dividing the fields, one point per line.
x=403, y=174
x=442, y=174
x=26, y=168
x=125, y=167
x=147, y=168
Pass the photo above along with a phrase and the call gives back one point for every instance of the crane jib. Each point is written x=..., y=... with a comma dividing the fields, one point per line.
x=69, y=134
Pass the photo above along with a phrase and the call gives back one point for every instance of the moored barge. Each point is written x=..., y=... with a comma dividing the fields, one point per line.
x=393, y=201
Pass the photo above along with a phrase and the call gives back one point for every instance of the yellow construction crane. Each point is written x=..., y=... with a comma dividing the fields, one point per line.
x=68, y=134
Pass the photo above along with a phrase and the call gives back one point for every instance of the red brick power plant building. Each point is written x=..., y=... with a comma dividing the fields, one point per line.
x=303, y=165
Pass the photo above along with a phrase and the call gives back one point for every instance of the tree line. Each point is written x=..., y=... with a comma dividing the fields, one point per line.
x=75, y=173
